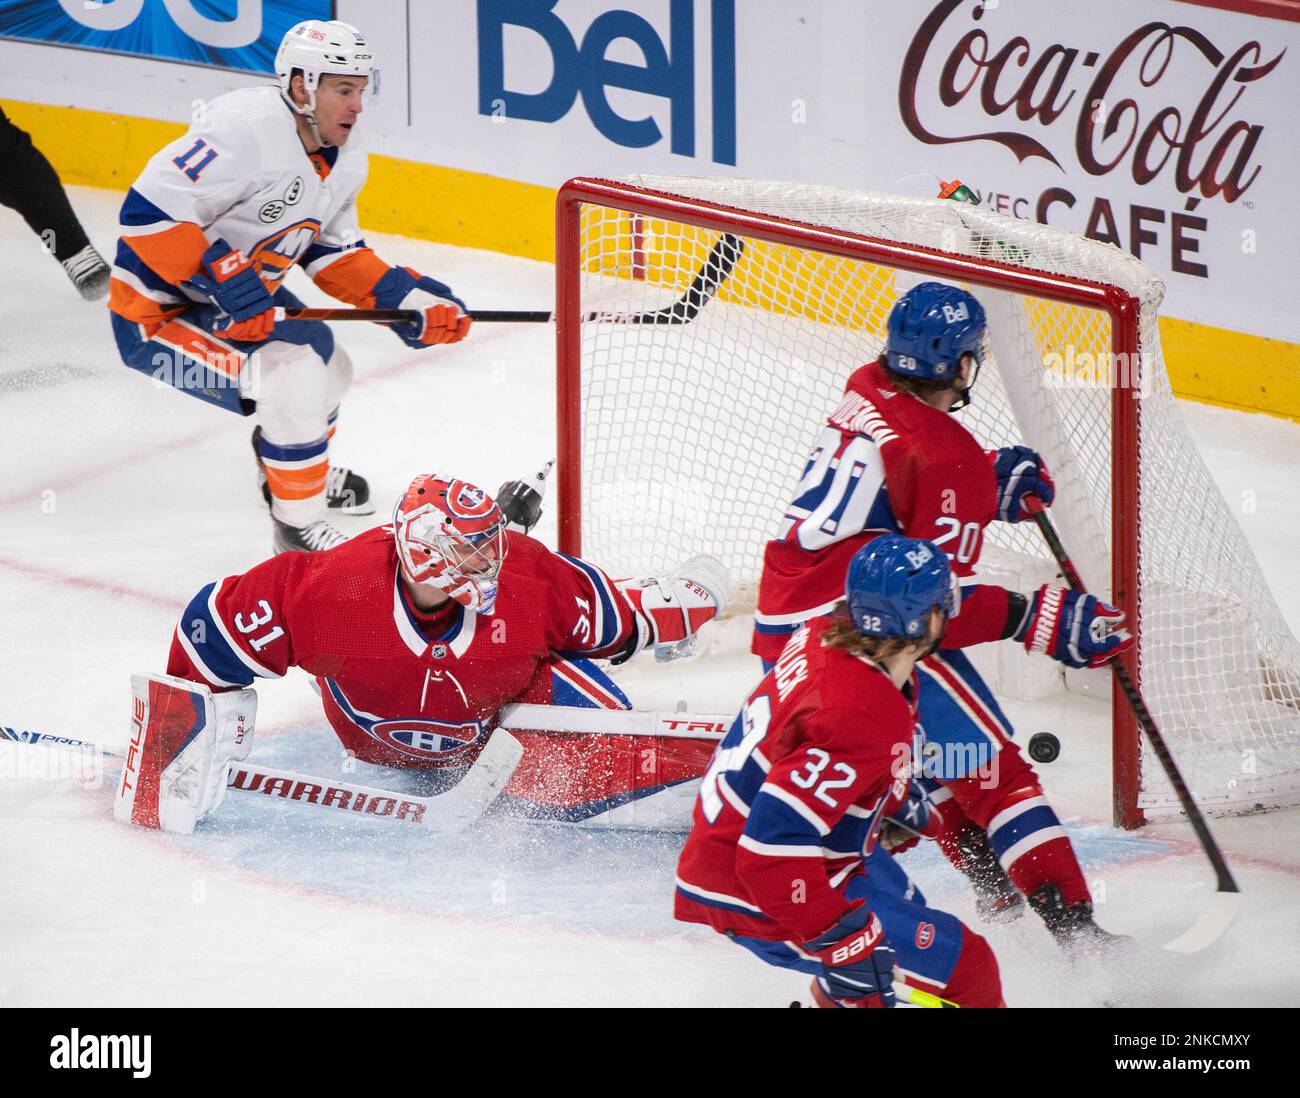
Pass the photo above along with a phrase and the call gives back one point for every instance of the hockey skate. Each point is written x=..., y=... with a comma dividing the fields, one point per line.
x=345, y=491
x=315, y=537
x=89, y=273
x=1072, y=925
x=996, y=899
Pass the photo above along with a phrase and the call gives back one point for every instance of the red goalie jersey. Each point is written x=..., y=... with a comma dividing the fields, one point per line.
x=400, y=688
x=886, y=462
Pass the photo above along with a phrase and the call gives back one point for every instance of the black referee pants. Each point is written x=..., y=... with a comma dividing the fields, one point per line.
x=30, y=185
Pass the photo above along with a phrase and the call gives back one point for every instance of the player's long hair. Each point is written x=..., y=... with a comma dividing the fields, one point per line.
x=842, y=633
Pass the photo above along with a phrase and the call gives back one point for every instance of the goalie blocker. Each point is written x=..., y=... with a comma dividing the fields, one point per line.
x=183, y=740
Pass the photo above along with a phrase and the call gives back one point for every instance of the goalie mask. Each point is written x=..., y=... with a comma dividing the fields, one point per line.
x=451, y=536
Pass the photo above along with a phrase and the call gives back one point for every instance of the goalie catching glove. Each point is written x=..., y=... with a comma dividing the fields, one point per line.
x=670, y=610
x=183, y=740
x=1074, y=628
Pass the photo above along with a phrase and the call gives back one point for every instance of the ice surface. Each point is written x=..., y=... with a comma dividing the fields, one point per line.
x=120, y=499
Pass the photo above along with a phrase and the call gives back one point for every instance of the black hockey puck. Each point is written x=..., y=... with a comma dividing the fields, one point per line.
x=1044, y=747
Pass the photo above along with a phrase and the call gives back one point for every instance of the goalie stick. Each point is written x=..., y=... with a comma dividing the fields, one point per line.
x=615, y=722
x=447, y=813
x=718, y=265
x=1224, y=905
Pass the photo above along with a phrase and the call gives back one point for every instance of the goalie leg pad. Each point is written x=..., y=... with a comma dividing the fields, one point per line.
x=183, y=740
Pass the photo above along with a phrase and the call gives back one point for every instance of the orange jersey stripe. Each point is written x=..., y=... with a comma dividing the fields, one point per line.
x=297, y=483
x=352, y=276
x=128, y=302
x=173, y=254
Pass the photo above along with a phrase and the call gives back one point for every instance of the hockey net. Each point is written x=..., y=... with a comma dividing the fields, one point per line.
x=686, y=437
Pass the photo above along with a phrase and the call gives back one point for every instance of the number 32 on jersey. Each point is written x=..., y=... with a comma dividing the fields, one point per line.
x=817, y=773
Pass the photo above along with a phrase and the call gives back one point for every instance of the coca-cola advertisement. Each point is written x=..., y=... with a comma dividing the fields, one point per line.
x=1165, y=128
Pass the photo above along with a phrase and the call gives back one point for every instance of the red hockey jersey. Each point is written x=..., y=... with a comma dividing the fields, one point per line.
x=793, y=797
x=400, y=689
x=885, y=462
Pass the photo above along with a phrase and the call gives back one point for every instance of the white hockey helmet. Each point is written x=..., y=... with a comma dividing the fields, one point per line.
x=321, y=47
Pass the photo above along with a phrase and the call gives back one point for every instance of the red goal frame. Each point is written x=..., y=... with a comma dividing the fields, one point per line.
x=1123, y=309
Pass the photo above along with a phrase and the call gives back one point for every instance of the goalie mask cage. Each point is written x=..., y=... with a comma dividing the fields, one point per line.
x=686, y=431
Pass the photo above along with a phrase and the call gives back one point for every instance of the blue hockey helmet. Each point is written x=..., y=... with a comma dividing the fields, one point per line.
x=930, y=328
x=893, y=584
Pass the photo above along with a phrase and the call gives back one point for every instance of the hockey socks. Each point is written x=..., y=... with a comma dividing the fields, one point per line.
x=1023, y=829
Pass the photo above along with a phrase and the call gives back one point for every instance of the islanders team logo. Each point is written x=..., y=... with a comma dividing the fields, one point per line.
x=432, y=741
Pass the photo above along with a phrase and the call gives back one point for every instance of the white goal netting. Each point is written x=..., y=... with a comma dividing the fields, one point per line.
x=694, y=434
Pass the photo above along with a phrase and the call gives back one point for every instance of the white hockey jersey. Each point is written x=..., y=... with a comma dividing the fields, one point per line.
x=241, y=174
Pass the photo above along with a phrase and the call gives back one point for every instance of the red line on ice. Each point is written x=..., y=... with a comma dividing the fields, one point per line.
x=102, y=587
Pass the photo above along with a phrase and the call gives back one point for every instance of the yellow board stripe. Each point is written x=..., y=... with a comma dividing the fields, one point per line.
x=470, y=209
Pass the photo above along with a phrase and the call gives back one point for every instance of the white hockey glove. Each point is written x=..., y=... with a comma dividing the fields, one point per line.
x=670, y=610
x=183, y=740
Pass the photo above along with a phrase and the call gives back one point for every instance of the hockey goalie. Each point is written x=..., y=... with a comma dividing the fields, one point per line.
x=417, y=634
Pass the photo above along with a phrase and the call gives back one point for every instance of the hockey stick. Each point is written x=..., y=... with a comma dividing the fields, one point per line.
x=447, y=812
x=1226, y=902
x=914, y=995
x=614, y=722
x=718, y=265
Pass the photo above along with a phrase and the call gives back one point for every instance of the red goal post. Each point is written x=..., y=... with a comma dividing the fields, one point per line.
x=590, y=207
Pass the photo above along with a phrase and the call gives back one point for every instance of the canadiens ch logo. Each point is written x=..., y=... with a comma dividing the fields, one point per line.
x=425, y=739
x=294, y=191
x=271, y=211
x=466, y=501
x=924, y=935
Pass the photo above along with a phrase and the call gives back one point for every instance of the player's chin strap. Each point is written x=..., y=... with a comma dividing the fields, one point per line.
x=307, y=115
x=964, y=399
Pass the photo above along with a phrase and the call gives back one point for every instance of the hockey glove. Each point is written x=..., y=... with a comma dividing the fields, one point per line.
x=183, y=740
x=521, y=500
x=233, y=285
x=917, y=818
x=1020, y=472
x=857, y=962
x=442, y=315
x=1075, y=628
x=669, y=611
